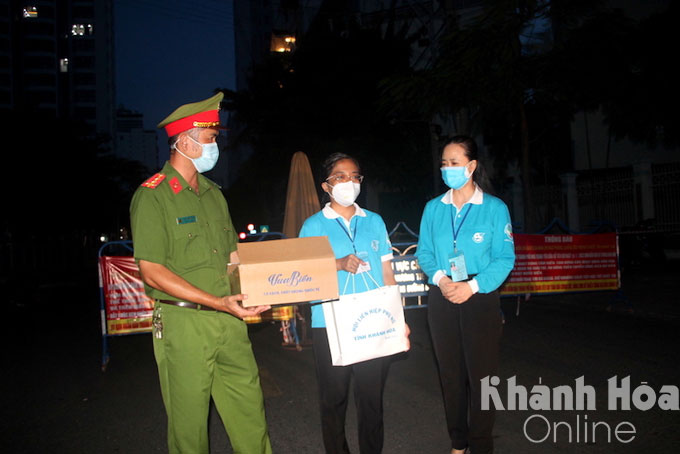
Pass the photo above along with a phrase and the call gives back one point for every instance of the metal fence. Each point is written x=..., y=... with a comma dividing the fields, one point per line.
x=608, y=196
x=666, y=189
x=615, y=196
x=549, y=203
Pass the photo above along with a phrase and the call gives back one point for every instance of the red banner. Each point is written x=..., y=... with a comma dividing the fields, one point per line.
x=564, y=263
x=128, y=309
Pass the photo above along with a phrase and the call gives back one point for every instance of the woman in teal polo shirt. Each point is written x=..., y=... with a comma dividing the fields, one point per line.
x=361, y=244
x=466, y=249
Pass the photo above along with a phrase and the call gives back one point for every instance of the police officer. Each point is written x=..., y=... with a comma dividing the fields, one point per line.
x=466, y=249
x=183, y=240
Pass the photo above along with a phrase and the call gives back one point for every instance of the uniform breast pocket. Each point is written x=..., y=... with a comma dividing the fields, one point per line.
x=222, y=227
x=190, y=246
x=222, y=231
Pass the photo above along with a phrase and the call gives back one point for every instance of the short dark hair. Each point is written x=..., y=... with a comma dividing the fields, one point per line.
x=332, y=160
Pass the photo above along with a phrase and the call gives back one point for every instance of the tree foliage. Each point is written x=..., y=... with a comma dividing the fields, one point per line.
x=503, y=78
x=515, y=75
x=323, y=99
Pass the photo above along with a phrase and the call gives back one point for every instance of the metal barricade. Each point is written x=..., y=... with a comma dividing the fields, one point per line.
x=121, y=291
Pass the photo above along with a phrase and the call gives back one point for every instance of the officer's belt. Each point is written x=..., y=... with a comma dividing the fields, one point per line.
x=188, y=305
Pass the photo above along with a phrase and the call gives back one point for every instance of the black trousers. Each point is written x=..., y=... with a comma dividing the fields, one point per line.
x=334, y=382
x=466, y=340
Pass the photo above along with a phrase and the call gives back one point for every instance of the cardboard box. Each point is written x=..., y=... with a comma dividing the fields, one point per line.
x=287, y=271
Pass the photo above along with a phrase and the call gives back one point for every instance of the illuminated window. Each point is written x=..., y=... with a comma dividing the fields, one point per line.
x=63, y=65
x=282, y=42
x=30, y=12
x=81, y=29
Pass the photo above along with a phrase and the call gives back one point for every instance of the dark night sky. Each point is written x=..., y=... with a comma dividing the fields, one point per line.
x=171, y=52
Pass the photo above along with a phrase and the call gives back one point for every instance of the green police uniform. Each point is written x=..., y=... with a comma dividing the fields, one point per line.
x=191, y=234
x=200, y=353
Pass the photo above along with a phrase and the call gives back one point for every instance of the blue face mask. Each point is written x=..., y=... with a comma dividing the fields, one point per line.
x=208, y=158
x=455, y=177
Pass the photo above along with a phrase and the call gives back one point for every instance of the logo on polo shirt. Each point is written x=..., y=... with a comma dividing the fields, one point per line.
x=478, y=237
x=508, y=232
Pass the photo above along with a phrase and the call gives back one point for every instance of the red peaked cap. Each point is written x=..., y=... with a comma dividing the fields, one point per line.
x=202, y=114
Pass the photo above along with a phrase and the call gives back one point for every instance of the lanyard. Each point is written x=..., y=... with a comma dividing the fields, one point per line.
x=453, y=224
x=350, y=236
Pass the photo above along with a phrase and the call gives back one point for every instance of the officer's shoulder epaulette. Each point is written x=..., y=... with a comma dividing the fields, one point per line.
x=154, y=181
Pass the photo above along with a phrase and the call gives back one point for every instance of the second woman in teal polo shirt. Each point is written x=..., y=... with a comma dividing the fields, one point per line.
x=466, y=248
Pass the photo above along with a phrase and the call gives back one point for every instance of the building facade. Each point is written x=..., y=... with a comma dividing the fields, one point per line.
x=56, y=59
x=133, y=142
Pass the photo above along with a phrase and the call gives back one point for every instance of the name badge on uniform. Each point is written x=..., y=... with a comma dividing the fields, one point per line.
x=458, y=267
x=186, y=220
x=366, y=266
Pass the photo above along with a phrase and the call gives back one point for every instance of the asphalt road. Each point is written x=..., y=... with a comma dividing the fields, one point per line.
x=56, y=398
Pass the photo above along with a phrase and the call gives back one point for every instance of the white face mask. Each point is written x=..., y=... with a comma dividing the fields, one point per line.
x=346, y=193
x=208, y=158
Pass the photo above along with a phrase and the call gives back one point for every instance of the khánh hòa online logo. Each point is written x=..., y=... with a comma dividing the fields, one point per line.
x=580, y=397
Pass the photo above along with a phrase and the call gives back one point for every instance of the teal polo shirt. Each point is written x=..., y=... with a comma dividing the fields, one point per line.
x=365, y=235
x=484, y=236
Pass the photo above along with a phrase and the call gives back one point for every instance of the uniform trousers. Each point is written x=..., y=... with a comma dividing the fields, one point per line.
x=466, y=340
x=334, y=382
x=204, y=354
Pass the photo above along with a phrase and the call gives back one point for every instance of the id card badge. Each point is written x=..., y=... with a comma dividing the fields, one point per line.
x=366, y=266
x=458, y=268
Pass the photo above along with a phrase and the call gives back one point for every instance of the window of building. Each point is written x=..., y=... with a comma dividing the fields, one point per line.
x=85, y=112
x=39, y=45
x=82, y=62
x=82, y=29
x=85, y=96
x=40, y=80
x=37, y=28
x=282, y=42
x=63, y=65
x=83, y=45
x=82, y=11
x=39, y=96
x=84, y=79
x=39, y=62
x=30, y=12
